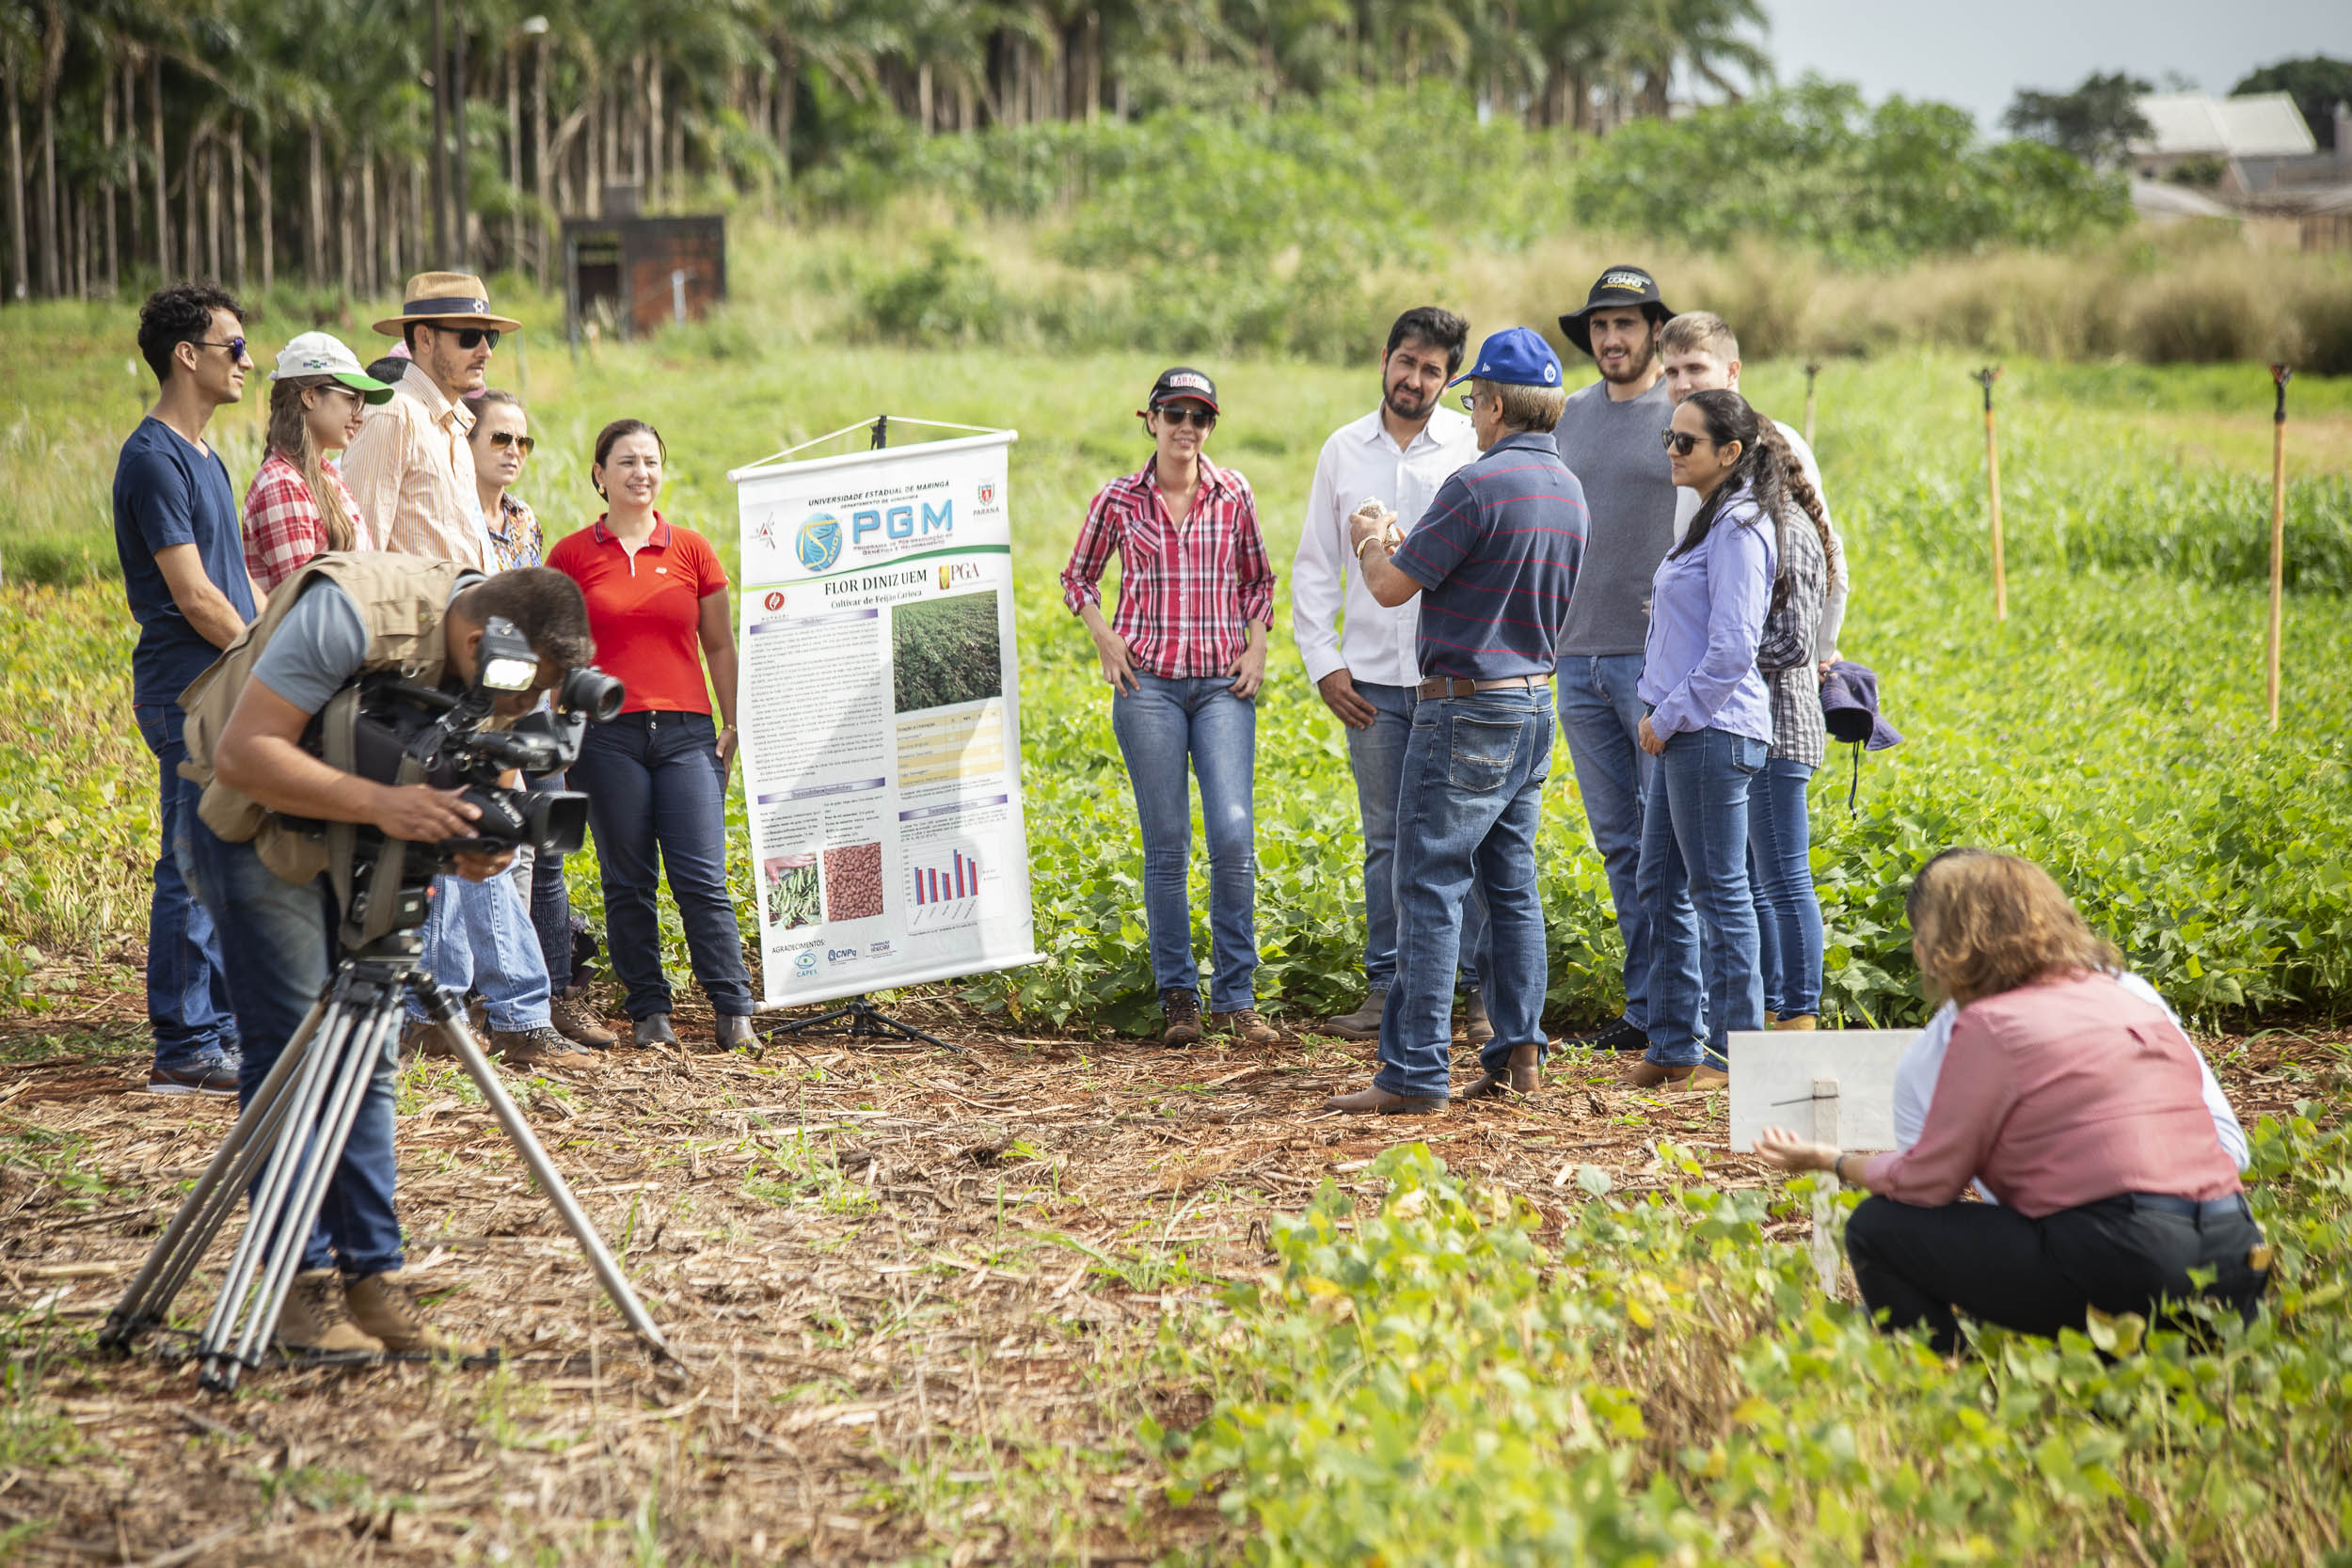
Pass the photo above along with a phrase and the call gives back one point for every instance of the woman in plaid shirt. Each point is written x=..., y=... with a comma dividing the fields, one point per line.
x=1185, y=656
x=297, y=506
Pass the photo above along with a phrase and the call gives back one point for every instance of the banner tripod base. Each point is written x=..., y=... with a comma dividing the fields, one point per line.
x=862, y=1021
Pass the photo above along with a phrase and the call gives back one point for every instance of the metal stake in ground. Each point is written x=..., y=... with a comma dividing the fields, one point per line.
x=1985, y=378
x=1811, y=371
x=2279, y=376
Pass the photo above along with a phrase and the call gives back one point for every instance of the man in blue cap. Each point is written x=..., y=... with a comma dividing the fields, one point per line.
x=1494, y=559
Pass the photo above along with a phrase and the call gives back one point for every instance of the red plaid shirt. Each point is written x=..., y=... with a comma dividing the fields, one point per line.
x=1186, y=595
x=282, y=526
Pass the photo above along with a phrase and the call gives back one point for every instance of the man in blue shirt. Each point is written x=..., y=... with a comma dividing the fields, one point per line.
x=1494, y=560
x=183, y=574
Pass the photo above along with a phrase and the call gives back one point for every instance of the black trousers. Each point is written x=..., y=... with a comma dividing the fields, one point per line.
x=1921, y=1265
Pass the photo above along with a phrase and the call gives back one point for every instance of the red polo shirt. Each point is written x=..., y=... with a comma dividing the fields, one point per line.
x=645, y=610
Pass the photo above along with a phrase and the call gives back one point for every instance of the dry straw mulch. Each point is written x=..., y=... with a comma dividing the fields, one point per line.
x=915, y=1296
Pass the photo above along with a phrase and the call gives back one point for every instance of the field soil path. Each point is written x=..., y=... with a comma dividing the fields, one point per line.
x=915, y=1294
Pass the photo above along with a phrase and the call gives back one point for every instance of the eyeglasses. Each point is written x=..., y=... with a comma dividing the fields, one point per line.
x=1680, y=442
x=508, y=438
x=1470, y=402
x=1178, y=417
x=234, y=345
x=470, y=338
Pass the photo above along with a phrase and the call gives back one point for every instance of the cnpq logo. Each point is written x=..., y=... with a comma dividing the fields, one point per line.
x=818, y=544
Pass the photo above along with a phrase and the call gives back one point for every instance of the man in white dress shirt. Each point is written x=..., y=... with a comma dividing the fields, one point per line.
x=1363, y=663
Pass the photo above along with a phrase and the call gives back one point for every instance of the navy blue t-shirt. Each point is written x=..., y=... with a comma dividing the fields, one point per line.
x=1496, y=556
x=169, y=491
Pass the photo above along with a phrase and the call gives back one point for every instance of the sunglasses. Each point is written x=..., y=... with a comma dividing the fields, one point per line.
x=234, y=345
x=471, y=337
x=503, y=438
x=1178, y=418
x=1680, y=443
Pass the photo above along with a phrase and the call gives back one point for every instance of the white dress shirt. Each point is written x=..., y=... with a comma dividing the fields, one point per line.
x=1362, y=460
x=1835, y=596
x=1923, y=1063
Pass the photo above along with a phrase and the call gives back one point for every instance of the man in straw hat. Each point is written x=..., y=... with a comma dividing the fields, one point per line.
x=411, y=471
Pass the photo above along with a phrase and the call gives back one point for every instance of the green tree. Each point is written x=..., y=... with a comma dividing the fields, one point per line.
x=2096, y=122
x=2318, y=84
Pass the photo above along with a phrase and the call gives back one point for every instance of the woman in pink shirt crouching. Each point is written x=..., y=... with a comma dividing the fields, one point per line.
x=2081, y=1108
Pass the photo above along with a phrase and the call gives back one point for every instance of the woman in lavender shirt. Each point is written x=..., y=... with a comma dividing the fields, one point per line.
x=1709, y=726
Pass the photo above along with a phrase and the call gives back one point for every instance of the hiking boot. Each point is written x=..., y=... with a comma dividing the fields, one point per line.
x=385, y=1304
x=537, y=1049
x=317, y=1318
x=1796, y=1020
x=1647, y=1074
x=735, y=1033
x=1365, y=1023
x=577, y=1021
x=215, y=1075
x=1475, y=1029
x=653, y=1029
x=1246, y=1025
x=1617, y=1035
x=1180, y=1016
x=421, y=1036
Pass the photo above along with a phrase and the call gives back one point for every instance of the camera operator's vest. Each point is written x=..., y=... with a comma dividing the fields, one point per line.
x=401, y=600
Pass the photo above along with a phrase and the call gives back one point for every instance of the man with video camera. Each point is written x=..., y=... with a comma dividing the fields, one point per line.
x=260, y=856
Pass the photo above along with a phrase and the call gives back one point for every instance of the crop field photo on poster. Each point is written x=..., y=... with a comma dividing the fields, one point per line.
x=944, y=650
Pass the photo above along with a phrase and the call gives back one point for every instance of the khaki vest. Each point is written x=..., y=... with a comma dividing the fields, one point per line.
x=401, y=599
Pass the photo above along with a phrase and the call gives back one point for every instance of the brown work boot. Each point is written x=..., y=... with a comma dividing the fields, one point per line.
x=1246, y=1025
x=316, y=1319
x=1476, y=1030
x=1523, y=1076
x=1795, y=1021
x=537, y=1049
x=1647, y=1074
x=385, y=1304
x=1380, y=1102
x=1179, y=1015
x=423, y=1037
x=577, y=1021
x=1365, y=1023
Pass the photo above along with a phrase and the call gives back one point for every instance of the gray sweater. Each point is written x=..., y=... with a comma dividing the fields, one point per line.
x=1616, y=449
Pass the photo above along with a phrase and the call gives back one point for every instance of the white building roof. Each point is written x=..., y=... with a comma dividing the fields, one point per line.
x=2260, y=125
x=2153, y=199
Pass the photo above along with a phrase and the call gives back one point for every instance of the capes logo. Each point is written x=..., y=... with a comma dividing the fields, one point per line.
x=818, y=545
x=804, y=961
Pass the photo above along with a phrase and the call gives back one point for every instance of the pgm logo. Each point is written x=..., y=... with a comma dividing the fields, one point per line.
x=775, y=600
x=895, y=522
x=988, y=495
x=820, y=543
x=954, y=572
x=804, y=961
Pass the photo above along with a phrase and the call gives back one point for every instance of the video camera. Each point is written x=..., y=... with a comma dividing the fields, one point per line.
x=400, y=732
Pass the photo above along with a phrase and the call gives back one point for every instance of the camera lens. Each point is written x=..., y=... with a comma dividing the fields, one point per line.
x=588, y=689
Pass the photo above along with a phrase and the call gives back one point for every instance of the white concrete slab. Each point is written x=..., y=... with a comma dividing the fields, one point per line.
x=1833, y=1085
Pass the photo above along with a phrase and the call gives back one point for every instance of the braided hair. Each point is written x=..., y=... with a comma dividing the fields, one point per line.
x=1766, y=469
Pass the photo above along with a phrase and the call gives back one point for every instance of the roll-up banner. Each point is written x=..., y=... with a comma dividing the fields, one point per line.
x=881, y=711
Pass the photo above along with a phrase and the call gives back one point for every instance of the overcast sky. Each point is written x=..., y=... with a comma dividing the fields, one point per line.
x=1979, y=52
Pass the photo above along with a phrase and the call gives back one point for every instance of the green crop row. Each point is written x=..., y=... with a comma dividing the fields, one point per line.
x=1461, y=1377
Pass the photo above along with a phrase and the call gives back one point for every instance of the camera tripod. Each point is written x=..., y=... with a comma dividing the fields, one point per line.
x=292, y=1135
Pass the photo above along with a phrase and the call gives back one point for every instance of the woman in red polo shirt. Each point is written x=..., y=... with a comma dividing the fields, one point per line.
x=656, y=776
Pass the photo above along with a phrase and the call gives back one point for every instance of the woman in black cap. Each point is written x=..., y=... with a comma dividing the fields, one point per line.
x=1185, y=656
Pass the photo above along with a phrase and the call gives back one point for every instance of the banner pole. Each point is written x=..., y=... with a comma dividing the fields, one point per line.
x=2279, y=376
x=1985, y=378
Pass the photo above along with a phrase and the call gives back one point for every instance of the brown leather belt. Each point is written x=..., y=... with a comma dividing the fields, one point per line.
x=1457, y=685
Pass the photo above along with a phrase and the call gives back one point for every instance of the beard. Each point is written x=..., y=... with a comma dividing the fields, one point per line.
x=1633, y=367
x=1406, y=405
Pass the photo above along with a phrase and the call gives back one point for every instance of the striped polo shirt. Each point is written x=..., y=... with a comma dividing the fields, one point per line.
x=1496, y=556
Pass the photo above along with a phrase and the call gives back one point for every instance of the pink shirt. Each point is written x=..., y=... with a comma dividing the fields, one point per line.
x=2059, y=1095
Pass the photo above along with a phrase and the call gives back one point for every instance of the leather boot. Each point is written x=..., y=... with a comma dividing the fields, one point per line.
x=1475, y=1027
x=1797, y=1021
x=317, y=1318
x=653, y=1029
x=1179, y=1017
x=1246, y=1027
x=735, y=1033
x=385, y=1306
x=1381, y=1103
x=1647, y=1074
x=1523, y=1076
x=1365, y=1023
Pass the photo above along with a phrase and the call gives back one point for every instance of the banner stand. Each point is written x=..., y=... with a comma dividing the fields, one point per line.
x=866, y=1022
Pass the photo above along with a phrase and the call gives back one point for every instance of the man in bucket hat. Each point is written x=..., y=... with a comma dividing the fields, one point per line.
x=411, y=471
x=1494, y=562
x=1609, y=435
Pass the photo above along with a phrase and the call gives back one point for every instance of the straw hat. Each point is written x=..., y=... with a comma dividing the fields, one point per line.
x=446, y=298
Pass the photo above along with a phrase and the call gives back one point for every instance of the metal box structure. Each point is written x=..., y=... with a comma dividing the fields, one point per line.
x=637, y=275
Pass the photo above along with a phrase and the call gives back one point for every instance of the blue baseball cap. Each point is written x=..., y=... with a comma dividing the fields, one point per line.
x=1515, y=356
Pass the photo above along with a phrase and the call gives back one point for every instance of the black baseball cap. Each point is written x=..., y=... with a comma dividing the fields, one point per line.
x=1618, y=286
x=1180, y=383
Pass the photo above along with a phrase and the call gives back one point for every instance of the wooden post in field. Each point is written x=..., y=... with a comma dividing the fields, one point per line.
x=1985, y=378
x=2279, y=376
x=1811, y=371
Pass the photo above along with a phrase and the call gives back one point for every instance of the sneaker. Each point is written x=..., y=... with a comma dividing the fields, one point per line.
x=1365, y=1023
x=1476, y=1030
x=1246, y=1025
x=216, y=1076
x=1179, y=1015
x=385, y=1304
x=1619, y=1035
x=577, y=1021
x=537, y=1050
x=317, y=1318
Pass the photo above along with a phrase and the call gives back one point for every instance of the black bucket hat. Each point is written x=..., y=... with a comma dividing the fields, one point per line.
x=1618, y=286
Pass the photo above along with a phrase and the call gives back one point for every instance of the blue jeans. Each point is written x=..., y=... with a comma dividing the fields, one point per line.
x=187, y=992
x=1376, y=757
x=658, y=801
x=1159, y=725
x=1468, y=813
x=479, y=937
x=1694, y=871
x=1601, y=713
x=276, y=945
x=1787, y=912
